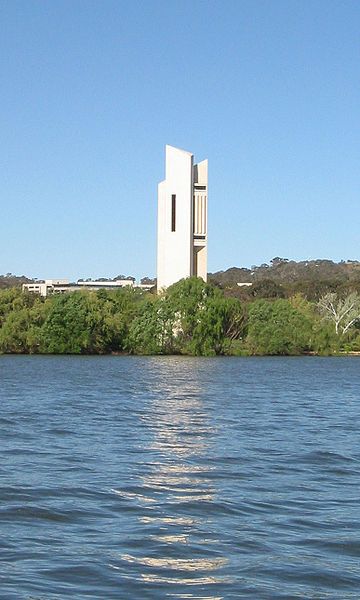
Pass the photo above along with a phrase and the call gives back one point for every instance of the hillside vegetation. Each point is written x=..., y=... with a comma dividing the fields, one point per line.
x=9, y=280
x=283, y=278
x=289, y=271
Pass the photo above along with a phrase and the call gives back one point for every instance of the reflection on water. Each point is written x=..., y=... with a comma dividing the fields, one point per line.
x=136, y=478
x=179, y=540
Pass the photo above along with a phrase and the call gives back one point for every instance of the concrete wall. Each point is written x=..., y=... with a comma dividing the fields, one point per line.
x=200, y=219
x=175, y=247
x=180, y=254
x=106, y=284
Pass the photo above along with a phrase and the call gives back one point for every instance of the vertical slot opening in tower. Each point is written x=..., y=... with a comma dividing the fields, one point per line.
x=173, y=212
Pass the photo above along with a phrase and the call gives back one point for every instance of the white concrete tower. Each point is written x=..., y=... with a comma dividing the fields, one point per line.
x=182, y=219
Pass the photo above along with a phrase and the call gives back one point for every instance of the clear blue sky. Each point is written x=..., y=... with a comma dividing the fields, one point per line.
x=91, y=91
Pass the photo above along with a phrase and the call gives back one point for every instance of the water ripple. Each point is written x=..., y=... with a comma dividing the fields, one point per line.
x=174, y=477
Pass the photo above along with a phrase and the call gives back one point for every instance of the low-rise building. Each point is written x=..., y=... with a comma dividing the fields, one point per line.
x=46, y=286
x=101, y=285
x=63, y=286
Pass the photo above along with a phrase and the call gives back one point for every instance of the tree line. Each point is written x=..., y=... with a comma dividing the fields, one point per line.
x=191, y=317
x=285, y=271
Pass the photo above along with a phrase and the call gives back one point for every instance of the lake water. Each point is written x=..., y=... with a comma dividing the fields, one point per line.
x=175, y=477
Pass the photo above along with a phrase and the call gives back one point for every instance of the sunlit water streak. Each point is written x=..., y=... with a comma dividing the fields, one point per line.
x=171, y=477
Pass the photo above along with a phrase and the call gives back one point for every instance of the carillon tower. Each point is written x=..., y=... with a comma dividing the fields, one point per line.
x=182, y=219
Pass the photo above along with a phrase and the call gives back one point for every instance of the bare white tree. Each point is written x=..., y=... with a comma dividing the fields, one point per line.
x=342, y=312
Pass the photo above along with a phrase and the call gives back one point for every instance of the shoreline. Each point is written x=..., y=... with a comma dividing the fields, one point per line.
x=107, y=354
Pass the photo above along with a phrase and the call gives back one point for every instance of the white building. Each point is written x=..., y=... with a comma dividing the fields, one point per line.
x=108, y=285
x=63, y=286
x=47, y=286
x=182, y=219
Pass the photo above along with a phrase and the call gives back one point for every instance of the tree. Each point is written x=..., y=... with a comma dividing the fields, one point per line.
x=65, y=330
x=192, y=317
x=267, y=288
x=312, y=289
x=148, y=281
x=86, y=322
x=277, y=328
x=278, y=261
x=343, y=312
x=220, y=321
x=21, y=328
x=205, y=321
x=152, y=331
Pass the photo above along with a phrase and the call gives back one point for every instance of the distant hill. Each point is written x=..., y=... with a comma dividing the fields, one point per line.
x=10, y=280
x=282, y=270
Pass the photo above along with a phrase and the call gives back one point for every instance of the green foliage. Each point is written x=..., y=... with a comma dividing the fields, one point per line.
x=205, y=320
x=267, y=288
x=13, y=299
x=191, y=317
x=352, y=345
x=65, y=329
x=278, y=328
x=284, y=271
x=312, y=290
x=325, y=341
x=87, y=322
x=220, y=321
x=152, y=330
x=189, y=299
x=21, y=319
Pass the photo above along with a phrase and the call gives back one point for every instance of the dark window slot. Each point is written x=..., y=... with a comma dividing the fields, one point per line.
x=173, y=212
